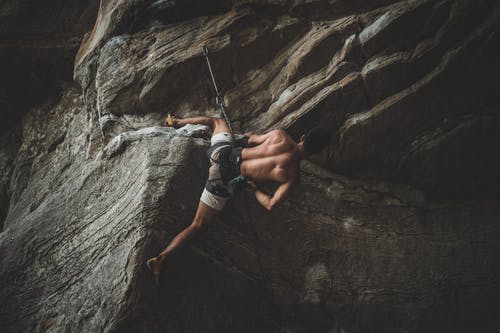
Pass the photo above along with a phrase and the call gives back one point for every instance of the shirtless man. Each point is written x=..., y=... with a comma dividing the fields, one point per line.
x=273, y=157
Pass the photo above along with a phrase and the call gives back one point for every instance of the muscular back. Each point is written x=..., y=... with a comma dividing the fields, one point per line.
x=274, y=158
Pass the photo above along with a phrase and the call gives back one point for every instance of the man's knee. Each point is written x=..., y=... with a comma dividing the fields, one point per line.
x=198, y=225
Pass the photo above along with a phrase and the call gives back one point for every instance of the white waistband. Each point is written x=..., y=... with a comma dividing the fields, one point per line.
x=221, y=137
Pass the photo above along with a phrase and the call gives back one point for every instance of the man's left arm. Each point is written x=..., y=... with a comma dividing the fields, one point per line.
x=269, y=202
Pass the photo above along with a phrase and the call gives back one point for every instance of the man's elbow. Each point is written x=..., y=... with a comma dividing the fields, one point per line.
x=270, y=205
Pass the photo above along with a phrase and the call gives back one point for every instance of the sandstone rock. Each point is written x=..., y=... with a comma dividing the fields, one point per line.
x=394, y=228
x=362, y=75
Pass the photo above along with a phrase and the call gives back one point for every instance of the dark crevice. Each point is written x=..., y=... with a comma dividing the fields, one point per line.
x=56, y=143
x=10, y=141
x=4, y=206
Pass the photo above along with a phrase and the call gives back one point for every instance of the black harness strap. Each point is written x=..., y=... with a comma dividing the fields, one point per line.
x=228, y=161
x=215, y=189
x=214, y=147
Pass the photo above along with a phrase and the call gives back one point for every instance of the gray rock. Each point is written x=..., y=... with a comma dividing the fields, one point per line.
x=393, y=228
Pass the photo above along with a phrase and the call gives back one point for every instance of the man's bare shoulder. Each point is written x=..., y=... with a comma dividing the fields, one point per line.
x=278, y=133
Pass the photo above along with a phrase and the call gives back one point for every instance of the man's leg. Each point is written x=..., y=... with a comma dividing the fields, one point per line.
x=217, y=124
x=204, y=214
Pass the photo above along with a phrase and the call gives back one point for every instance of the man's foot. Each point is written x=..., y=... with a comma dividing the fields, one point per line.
x=170, y=120
x=154, y=266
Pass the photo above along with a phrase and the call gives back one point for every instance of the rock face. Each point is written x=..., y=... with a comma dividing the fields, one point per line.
x=394, y=228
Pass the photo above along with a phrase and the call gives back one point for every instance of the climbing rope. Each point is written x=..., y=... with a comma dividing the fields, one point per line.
x=219, y=99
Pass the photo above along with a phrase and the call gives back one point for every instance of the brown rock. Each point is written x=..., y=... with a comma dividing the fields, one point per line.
x=393, y=228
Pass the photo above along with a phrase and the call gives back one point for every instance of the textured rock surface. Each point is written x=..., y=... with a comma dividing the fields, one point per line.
x=38, y=41
x=394, y=228
x=423, y=71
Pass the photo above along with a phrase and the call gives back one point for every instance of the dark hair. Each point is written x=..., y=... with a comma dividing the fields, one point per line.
x=316, y=139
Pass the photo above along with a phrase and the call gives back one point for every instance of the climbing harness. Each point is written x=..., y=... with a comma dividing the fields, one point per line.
x=228, y=159
x=219, y=99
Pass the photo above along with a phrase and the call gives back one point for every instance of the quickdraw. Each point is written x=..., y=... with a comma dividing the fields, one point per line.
x=219, y=99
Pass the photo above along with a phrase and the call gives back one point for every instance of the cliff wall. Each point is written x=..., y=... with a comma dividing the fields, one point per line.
x=394, y=228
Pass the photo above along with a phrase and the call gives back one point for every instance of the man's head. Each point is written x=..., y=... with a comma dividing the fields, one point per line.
x=315, y=140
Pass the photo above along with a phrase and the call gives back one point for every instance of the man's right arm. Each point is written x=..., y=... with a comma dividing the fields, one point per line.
x=269, y=202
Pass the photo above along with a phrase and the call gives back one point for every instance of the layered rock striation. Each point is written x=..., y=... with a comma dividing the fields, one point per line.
x=393, y=228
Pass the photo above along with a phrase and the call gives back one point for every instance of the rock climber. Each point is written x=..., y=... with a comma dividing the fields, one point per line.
x=270, y=157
